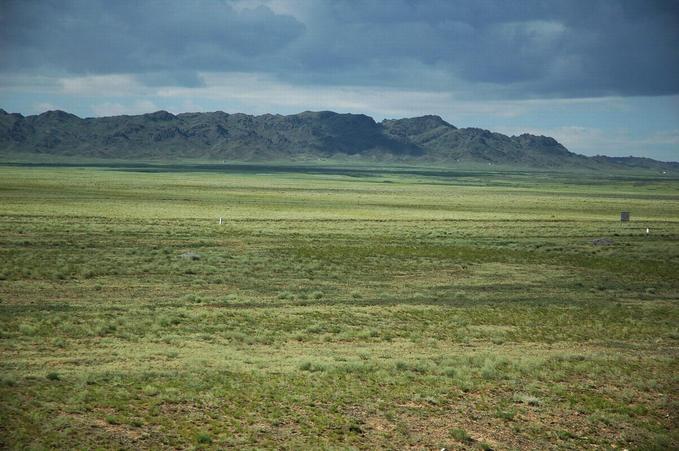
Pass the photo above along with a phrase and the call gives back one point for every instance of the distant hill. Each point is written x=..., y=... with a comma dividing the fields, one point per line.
x=294, y=137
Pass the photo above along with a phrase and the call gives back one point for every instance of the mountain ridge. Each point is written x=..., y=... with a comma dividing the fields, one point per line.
x=309, y=134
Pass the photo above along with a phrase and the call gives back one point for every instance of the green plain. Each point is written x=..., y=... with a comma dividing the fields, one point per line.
x=336, y=308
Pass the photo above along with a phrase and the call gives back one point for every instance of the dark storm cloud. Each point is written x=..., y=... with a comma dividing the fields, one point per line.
x=527, y=48
x=574, y=48
x=164, y=42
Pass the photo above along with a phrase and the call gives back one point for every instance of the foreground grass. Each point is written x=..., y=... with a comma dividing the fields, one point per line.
x=332, y=309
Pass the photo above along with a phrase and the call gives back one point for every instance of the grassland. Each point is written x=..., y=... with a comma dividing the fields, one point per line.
x=336, y=309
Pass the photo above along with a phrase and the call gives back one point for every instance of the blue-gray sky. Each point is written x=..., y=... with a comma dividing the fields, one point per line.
x=602, y=76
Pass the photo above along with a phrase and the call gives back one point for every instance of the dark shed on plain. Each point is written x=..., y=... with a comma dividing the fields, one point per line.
x=624, y=216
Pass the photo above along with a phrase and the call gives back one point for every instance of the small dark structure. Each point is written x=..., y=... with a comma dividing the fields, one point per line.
x=624, y=216
x=190, y=256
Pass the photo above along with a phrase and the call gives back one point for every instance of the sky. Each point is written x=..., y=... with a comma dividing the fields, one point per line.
x=601, y=76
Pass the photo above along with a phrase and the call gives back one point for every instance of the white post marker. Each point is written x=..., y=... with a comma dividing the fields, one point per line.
x=648, y=230
x=220, y=220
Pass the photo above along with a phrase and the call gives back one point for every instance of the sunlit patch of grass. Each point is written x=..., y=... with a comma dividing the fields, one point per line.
x=461, y=435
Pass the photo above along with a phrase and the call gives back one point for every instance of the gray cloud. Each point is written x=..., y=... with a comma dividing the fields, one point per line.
x=164, y=42
x=528, y=47
x=492, y=48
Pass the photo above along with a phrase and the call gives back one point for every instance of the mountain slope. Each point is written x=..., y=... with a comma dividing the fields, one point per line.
x=219, y=135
